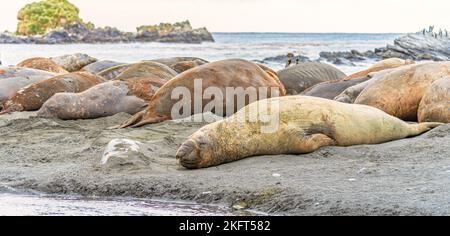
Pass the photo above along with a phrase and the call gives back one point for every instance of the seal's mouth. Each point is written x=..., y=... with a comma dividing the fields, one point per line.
x=189, y=155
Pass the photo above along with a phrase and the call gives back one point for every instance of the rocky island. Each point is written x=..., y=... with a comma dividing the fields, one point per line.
x=58, y=22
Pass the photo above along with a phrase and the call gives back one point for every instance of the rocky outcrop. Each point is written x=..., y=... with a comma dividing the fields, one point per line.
x=285, y=58
x=172, y=33
x=424, y=45
x=347, y=58
x=80, y=33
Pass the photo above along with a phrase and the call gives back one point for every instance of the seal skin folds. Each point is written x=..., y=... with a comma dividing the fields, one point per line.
x=400, y=92
x=435, y=104
x=234, y=73
x=32, y=97
x=298, y=78
x=305, y=124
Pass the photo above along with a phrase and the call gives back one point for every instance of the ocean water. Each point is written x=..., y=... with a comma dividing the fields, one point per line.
x=250, y=46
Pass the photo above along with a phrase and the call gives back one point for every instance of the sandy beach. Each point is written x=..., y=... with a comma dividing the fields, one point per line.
x=405, y=177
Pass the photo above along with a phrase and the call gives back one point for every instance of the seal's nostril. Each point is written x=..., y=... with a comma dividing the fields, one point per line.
x=185, y=149
x=180, y=154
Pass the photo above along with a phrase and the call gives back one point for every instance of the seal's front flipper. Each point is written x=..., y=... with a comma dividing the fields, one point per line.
x=313, y=142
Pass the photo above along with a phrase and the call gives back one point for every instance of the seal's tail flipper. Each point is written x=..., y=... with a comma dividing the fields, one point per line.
x=140, y=119
x=423, y=127
x=133, y=120
x=5, y=110
x=149, y=121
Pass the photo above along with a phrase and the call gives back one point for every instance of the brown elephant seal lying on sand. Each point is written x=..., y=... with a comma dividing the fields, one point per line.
x=174, y=60
x=106, y=99
x=381, y=65
x=32, y=97
x=40, y=63
x=147, y=69
x=183, y=66
x=217, y=77
x=112, y=72
x=298, y=78
x=12, y=79
x=332, y=89
x=100, y=66
x=435, y=104
x=399, y=93
x=305, y=124
x=355, y=83
x=14, y=72
x=350, y=94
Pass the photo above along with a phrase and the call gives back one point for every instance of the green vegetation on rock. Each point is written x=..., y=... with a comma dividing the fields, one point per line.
x=39, y=17
x=166, y=28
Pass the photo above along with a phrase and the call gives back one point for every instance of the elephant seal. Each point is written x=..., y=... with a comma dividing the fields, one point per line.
x=12, y=79
x=298, y=78
x=13, y=72
x=112, y=72
x=100, y=66
x=180, y=64
x=350, y=94
x=435, y=104
x=174, y=60
x=147, y=69
x=332, y=89
x=399, y=93
x=304, y=125
x=381, y=65
x=220, y=75
x=106, y=99
x=40, y=63
x=74, y=62
x=183, y=66
x=32, y=97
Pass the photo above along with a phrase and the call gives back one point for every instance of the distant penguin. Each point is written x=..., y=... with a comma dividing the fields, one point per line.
x=289, y=59
x=298, y=60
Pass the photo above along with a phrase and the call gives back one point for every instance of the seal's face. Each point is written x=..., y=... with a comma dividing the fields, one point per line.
x=10, y=107
x=195, y=153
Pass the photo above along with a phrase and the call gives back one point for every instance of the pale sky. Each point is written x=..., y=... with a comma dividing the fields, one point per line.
x=356, y=16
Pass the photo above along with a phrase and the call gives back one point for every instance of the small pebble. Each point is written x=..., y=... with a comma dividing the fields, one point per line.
x=240, y=206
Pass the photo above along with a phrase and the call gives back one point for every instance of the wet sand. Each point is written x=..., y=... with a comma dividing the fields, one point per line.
x=405, y=177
